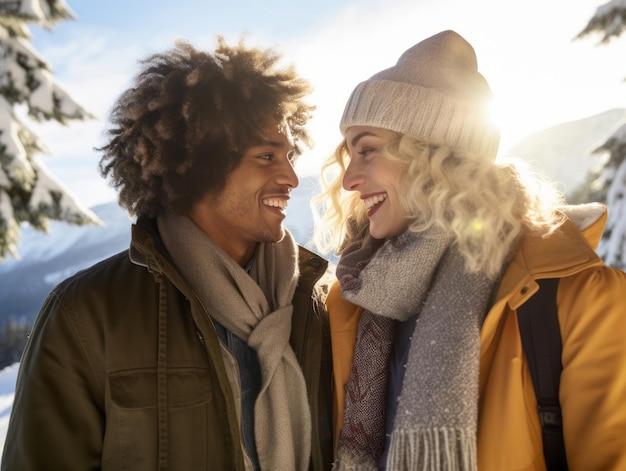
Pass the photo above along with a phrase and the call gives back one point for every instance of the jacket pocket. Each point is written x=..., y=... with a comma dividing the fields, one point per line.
x=132, y=420
x=137, y=389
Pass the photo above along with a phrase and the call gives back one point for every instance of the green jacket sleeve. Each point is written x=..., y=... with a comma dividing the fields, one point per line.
x=57, y=421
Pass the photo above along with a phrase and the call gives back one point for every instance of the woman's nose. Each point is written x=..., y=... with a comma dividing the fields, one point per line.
x=353, y=176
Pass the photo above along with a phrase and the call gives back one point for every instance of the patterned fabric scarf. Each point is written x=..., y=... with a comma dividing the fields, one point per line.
x=256, y=307
x=435, y=427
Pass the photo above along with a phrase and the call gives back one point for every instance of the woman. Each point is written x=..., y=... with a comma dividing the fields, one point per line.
x=439, y=247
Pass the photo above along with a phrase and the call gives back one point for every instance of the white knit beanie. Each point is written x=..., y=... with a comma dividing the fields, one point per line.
x=434, y=93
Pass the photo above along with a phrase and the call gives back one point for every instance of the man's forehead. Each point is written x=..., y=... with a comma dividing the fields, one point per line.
x=275, y=133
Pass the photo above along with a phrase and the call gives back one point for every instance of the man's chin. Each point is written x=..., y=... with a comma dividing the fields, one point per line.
x=276, y=235
x=281, y=234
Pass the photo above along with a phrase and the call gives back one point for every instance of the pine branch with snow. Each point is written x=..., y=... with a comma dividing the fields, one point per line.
x=609, y=20
x=611, y=185
x=28, y=192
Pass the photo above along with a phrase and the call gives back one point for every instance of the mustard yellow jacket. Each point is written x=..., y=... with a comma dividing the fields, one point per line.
x=591, y=301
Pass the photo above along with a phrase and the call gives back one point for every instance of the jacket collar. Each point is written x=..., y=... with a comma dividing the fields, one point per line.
x=570, y=249
x=146, y=243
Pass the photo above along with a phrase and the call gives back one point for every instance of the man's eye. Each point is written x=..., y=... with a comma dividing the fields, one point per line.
x=268, y=157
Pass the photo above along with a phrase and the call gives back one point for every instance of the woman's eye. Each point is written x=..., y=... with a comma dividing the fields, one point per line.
x=266, y=156
x=366, y=151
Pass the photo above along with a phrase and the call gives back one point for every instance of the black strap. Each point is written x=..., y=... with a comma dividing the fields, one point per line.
x=541, y=340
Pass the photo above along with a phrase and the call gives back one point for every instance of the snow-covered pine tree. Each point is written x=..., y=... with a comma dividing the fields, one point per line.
x=29, y=193
x=610, y=186
x=609, y=20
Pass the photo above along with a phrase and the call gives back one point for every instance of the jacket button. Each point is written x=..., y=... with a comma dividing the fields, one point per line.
x=524, y=290
x=314, y=262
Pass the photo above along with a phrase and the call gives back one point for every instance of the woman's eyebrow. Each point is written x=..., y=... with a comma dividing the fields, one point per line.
x=356, y=138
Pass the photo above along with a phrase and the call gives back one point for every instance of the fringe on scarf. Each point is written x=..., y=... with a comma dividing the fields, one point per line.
x=433, y=449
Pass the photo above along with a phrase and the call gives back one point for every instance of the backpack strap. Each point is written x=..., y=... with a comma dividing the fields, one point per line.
x=541, y=340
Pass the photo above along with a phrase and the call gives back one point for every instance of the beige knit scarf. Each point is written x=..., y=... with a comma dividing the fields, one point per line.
x=436, y=422
x=256, y=307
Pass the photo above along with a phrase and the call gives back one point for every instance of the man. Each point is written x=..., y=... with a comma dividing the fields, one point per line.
x=205, y=346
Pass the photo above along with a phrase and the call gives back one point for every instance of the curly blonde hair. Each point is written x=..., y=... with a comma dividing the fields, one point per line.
x=485, y=205
x=183, y=125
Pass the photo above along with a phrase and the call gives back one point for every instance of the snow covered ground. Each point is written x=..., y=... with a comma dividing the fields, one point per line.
x=7, y=390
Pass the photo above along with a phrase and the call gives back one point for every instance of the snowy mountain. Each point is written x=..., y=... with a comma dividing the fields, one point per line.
x=46, y=260
x=564, y=151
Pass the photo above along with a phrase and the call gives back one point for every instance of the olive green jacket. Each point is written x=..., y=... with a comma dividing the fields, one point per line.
x=123, y=370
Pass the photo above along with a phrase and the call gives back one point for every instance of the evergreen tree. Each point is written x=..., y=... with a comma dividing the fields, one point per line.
x=13, y=336
x=609, y=185
x=29, y=193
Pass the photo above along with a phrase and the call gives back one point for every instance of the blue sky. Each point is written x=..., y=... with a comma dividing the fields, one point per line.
x=539, y=75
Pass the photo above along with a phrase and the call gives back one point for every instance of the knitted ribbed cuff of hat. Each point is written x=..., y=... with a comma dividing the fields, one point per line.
x=425, y=113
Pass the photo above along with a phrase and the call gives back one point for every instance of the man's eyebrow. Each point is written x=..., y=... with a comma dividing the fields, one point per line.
x=278, y=145
x=274, y=144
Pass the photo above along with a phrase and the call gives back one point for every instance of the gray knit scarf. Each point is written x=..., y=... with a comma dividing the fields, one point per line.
x=256, y=307
x=436, y=422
